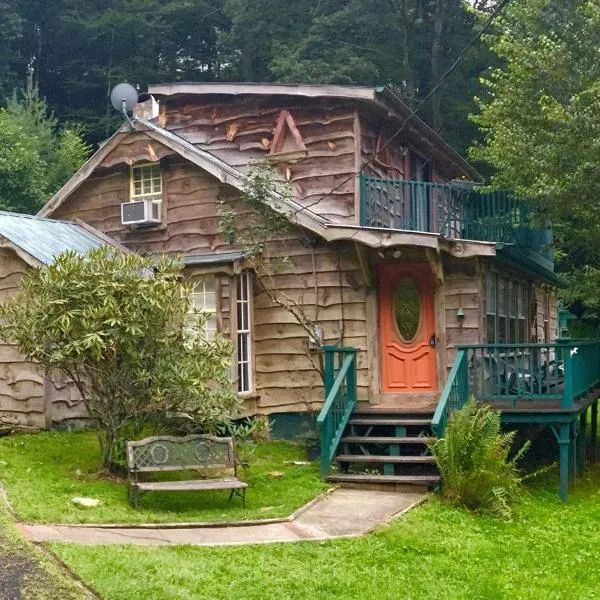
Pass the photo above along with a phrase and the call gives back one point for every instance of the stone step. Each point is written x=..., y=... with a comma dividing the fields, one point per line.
x=384, y=458
x=359, y=439
x=420, y=480
x=390, y=421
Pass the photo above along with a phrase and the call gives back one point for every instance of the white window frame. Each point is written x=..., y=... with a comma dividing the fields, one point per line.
x=244, y=355
x=199, y=302
x=147, y=173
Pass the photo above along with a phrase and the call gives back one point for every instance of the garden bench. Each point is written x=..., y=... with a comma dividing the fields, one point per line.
x=160, y=454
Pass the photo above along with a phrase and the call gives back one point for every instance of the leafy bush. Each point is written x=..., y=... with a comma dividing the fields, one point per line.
x=473, y=460
x=123, y=330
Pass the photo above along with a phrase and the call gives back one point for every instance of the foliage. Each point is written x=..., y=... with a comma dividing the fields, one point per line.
x=36, y=157
x=540, y=119
x=247, y=432
x=63, y=465
x=78, y=50
x=127, y=338
x=435, y=551
x=473, y=460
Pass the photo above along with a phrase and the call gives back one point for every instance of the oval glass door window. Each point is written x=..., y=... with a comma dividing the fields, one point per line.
x=407, y=309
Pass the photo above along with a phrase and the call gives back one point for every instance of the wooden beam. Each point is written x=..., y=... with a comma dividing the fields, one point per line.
x=365, y=271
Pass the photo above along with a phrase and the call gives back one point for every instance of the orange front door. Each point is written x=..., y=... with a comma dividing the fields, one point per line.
x=407, y=328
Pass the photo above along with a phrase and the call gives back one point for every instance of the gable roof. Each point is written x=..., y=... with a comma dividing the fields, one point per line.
x=39, y=241
x=207, y=161
x=383, y=97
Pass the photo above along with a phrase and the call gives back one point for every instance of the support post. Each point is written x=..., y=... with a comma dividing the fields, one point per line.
x=573, y=452
x=564, y=443
x=581, y=442
x=594, y=431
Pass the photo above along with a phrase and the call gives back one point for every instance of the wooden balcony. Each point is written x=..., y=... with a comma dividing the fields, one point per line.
x=455, y=210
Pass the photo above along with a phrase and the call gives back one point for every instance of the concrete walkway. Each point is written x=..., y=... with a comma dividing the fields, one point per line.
x=342, y=513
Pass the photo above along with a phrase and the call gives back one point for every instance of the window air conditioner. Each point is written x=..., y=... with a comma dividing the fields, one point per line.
x=140, y=212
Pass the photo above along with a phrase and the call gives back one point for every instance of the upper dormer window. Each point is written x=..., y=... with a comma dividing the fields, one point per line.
x=146, y=182
x=145, y=196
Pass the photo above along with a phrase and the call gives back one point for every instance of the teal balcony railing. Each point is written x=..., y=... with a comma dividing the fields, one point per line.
x=455, y=210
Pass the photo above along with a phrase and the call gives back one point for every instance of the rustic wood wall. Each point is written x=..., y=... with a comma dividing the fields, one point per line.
x=463, y=289
x=327, y=285
x=239, y=130
x=26, y=399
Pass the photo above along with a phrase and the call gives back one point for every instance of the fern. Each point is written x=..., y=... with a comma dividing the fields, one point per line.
x=473, y=460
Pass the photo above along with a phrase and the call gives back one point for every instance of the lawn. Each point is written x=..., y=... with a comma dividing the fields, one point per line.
x=43, y=472
x=436, y=552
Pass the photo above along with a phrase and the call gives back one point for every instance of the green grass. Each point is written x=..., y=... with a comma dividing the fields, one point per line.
x=436, y=552
x=43, y=472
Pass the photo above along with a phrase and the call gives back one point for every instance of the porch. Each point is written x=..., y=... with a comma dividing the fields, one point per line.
x=554, y=385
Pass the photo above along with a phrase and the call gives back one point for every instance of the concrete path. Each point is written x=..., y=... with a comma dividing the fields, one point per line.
x=342, y=513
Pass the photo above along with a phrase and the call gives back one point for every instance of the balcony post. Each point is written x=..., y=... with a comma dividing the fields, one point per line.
x=564, y=444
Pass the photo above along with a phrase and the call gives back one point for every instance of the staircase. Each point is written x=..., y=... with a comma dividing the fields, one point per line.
x=386, y=446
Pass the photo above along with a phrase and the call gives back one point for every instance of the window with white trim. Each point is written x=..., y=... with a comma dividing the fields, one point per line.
x=146, y=182
x=244, y=334
x=507, y=302
x=205, y=300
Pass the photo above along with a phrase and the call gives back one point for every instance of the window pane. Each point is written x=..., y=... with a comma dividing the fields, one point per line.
x=491, y=329
x=491, y=293
x=501, y=296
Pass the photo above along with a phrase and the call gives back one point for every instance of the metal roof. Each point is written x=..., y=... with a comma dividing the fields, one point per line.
x=212, y=258
x=44, y=239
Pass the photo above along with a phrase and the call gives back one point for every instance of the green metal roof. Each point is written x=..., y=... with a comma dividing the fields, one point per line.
x=44, y=239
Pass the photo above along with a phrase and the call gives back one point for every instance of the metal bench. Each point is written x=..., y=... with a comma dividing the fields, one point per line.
x=160, y=454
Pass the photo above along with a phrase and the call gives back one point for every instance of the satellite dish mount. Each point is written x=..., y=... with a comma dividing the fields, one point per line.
x=124, y=97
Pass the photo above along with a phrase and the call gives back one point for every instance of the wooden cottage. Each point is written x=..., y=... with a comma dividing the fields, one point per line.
x=396, y=255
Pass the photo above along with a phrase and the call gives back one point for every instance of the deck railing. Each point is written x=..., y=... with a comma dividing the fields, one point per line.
x=340, y=399
x=547, y=375
x=454, y=395
x=455, y=210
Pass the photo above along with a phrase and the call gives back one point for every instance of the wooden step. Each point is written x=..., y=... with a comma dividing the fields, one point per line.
x=384, y=458
x=391, y=421
x=360, y=439
x=399, y=479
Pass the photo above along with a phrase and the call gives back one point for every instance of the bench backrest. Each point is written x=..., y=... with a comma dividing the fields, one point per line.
x=168, y=453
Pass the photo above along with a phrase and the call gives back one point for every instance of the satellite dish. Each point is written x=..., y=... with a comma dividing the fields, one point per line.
x=124, y=97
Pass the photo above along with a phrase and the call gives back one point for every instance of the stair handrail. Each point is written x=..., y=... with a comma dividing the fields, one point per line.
x=340, y=400
x=454, y=395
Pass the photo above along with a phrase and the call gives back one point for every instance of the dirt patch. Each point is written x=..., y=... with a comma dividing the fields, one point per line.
x=25, y=574
x=12, y=570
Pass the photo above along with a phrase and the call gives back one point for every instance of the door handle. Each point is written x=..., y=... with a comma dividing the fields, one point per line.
x=432, y=341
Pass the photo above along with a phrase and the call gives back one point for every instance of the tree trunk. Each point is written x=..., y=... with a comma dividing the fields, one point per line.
x=436, y=49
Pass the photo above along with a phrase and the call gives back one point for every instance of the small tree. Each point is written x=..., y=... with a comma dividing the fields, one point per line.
x=124, y=332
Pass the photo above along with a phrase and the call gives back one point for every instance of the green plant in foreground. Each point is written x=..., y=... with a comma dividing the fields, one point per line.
x=474, y=464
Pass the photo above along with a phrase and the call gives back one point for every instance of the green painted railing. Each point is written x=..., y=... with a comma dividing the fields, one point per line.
x=455, y=210
x=340, y=399
x=454, y=396
x=558, y=373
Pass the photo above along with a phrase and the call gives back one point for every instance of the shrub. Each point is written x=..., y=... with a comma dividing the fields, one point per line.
x=123, y=331
x=474, y=464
